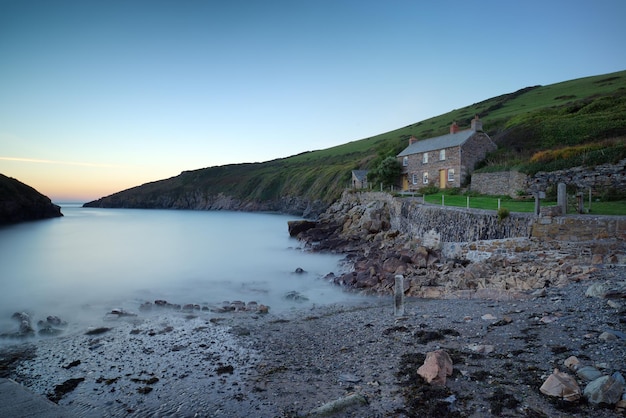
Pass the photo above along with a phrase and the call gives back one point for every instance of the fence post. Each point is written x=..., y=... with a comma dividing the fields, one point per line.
x=561, y=197
x=398, y=301
x=443, y=200
x=498, y=203
x=590, y=200
x=468, y=202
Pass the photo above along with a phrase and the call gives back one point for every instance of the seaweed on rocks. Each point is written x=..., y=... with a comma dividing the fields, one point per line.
x=63, y=388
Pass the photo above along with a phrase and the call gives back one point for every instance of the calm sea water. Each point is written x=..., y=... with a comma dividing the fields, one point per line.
x=118, y=258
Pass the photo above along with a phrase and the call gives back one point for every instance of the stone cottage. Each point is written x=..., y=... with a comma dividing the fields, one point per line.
x=359, y=179
x=444, y=161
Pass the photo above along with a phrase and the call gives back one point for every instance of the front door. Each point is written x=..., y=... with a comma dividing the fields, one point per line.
x=405, y=182
x=442, y=178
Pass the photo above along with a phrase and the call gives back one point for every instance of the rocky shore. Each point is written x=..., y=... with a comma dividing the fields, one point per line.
x=513, y=327
x=353, y=359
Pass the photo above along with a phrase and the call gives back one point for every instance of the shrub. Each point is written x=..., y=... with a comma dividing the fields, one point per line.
x=503, y=213
x=429, y=189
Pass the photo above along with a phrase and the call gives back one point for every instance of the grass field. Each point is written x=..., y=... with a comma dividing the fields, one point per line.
x=513, y=205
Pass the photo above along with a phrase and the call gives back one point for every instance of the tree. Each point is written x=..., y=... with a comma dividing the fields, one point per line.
x=387, y=172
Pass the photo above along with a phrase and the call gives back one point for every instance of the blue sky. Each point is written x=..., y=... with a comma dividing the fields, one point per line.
x=99, y=96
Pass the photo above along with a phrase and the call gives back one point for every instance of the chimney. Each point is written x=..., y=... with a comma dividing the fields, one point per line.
x=412, y=140
x=477, y=124
x=454, y=128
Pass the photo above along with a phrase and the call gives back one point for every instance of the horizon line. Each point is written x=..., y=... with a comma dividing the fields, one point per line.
x=44, y=161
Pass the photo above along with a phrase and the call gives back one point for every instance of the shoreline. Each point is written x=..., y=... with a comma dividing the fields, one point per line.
x=290, y=363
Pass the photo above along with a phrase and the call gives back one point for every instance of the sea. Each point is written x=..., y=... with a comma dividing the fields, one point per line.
x=93, y=260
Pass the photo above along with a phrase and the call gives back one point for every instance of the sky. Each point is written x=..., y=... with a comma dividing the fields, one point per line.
x=100, y=96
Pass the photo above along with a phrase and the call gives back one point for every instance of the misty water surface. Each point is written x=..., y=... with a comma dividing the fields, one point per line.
x=98, y=259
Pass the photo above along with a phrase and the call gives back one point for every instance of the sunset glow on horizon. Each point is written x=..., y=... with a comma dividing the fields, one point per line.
x=98, y=97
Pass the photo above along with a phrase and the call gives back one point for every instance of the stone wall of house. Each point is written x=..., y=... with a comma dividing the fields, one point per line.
x=503, y=183
x=473, y=151
x=416, y=168
x=597, y=178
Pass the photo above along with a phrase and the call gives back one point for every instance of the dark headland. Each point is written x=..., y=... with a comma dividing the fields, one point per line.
x=20, y=202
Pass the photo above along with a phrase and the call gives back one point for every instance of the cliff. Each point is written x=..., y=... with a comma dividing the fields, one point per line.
x=20, y=202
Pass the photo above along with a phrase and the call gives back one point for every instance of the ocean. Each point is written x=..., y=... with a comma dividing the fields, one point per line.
x=93, y=260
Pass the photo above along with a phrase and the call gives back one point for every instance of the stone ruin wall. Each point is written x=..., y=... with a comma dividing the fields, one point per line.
x=511, y=182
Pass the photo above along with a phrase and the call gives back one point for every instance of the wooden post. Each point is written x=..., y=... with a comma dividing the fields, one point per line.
x=468, y=202
x=398, y=301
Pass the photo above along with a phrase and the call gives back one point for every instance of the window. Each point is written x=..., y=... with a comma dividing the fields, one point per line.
x=425, y=158
x=425, y=177
x=405, y=161
x=414, y=178
x=442, y=155
x=451, y=175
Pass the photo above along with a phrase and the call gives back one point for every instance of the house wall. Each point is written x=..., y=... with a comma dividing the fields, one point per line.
x=432, y=167
x=359, y=184
x=474, y=150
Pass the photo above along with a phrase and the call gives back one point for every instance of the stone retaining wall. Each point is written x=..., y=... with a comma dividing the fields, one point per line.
x=504, y=183
x=451, y=224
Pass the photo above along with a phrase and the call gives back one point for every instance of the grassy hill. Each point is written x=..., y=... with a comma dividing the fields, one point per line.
x=584, y=119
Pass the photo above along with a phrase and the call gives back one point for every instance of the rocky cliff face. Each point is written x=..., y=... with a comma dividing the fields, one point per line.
x=19, y=202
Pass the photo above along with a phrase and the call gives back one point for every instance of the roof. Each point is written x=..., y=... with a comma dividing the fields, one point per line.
x=360, y=174
x=438, y=142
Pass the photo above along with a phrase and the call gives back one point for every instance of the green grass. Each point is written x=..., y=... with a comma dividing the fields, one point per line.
x=514, y=205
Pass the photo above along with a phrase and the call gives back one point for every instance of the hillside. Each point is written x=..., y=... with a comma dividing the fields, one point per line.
x=587, y=115
x=20, y=202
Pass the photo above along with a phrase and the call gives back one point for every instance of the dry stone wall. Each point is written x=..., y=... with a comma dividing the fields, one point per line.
x=597, y=178
x=504, y=183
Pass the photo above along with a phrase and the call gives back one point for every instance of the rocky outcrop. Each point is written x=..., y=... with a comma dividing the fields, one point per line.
x=19, y=202
x=447, y=252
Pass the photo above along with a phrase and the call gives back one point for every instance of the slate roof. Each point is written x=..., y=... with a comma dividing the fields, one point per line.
x=438, y=142
x=360, y=175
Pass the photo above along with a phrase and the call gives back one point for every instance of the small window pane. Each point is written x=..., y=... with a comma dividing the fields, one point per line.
x=425, y=158
x=425, y=178
x=451, y=174
x=442, y=155
x=405, y=161
x=414, y=178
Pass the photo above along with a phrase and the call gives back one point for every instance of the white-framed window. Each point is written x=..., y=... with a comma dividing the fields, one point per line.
x=425, y=177
x=414, y=178
x=451, y=174
x=405, y=161
x=425, y=158
x=442, y=155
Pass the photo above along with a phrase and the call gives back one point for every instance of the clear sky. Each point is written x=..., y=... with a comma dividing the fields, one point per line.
x=100, y=96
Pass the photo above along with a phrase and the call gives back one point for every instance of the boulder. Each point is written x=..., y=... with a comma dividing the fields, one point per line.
x=436, y=367
x=296, y=227
x=561, y=385
x=604, y=390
